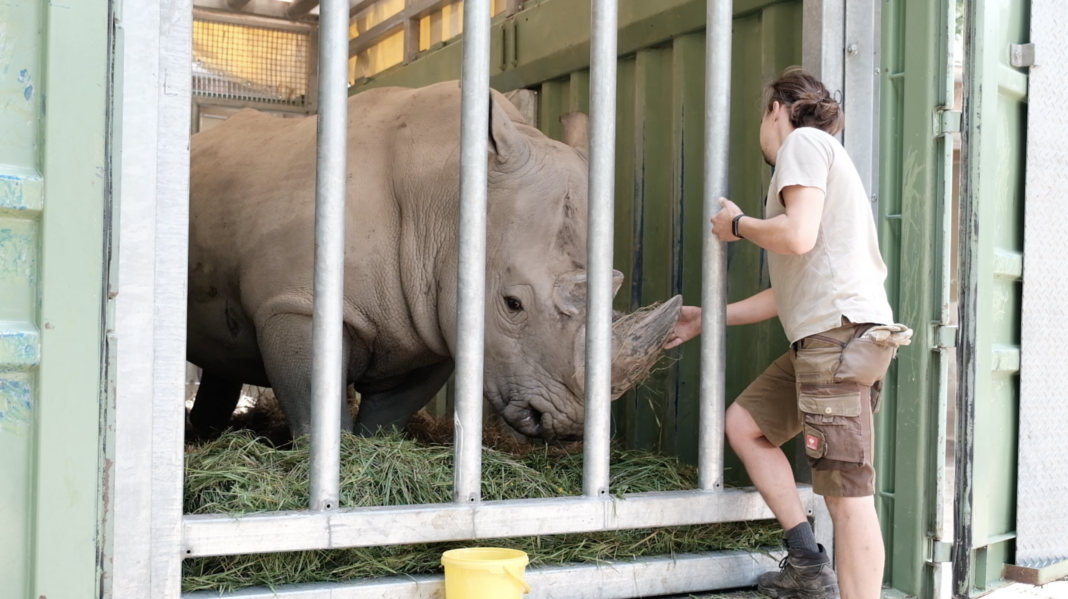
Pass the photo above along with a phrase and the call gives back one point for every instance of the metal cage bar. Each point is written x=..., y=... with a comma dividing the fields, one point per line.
x=223, y=534
x=644, y=577
x=471, y=279
x=601, y=204
x=714, y=287
x=327, y=384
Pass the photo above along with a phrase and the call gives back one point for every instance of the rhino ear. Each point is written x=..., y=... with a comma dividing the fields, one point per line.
x=506, y=142
x=577, y=132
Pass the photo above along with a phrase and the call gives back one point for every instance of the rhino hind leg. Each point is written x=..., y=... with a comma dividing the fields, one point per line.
x=393, y=408
x=285, y=342
x=215, y=402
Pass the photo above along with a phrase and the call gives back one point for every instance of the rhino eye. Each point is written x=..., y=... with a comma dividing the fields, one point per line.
x=513, y=304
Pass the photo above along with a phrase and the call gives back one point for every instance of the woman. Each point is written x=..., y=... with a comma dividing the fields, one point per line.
x=827, y=289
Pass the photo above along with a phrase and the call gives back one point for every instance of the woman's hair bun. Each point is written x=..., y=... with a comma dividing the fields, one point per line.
x=807, y=100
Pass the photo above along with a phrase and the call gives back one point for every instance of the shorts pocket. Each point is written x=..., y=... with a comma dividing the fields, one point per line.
x=834, y=433
x=864, y=361
x=817, y=365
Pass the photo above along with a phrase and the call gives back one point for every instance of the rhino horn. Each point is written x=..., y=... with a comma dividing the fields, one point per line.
x=577, y=132
x=637, y=339
x=569, y=294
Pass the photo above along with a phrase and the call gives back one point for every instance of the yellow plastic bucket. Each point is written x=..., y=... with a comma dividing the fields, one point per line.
x=484, y=573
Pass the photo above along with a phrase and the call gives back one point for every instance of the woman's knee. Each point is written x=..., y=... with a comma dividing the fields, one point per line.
x=740, y=427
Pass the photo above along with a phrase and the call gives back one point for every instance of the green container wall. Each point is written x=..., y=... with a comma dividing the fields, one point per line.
x=659, y=158
x=52, y=211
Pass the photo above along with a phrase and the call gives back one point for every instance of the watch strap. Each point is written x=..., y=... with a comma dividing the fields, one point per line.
x=734, y=226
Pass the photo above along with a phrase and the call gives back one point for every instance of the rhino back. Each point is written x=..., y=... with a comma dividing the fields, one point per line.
x=252, y=222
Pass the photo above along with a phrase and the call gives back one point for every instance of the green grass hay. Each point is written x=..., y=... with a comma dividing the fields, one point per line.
x=238, y=474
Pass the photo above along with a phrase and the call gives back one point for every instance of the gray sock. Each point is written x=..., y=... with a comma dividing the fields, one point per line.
x=801, y=537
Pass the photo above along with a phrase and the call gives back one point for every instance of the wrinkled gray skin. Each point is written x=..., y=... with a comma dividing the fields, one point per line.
x=251, y=253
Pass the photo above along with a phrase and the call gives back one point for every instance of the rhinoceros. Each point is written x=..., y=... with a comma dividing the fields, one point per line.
x=251, y=247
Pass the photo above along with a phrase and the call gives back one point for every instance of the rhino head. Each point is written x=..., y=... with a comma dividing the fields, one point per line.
x=536, y=283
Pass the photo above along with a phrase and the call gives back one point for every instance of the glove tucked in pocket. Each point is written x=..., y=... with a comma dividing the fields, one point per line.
x=865, y=361
x=834, y=421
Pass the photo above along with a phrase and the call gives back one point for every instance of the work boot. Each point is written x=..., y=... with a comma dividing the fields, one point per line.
x=802, y=575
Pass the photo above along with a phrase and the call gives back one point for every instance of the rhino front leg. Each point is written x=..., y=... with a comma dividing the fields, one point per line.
x=216, y=400
x=393, y=408
x=286, y=346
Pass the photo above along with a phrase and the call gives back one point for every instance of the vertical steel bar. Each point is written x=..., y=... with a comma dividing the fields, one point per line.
x=471, y=279
x=714, y=284
x=599, y=248
x=327, y=384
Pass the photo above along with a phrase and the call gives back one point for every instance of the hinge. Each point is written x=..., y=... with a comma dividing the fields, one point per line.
x=941, y=552
x=945, y=336
x=1022, y=55
x=947, y=121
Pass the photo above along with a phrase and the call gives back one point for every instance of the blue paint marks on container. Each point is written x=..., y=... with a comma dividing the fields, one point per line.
x=16, y=405
x=23, y=75
x=28, y=92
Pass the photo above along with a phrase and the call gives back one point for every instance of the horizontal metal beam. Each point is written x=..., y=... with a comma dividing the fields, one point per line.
x=681, y=574
x=205, y=535
x=417, y=9
x=376, y=34
x=299, y=8
x=251, y=20
x=359, y=6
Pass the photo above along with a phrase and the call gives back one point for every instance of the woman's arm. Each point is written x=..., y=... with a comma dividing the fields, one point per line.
x=792, y=233
x=757, y=308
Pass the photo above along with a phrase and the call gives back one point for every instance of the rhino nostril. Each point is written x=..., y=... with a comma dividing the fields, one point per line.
x=527, y=421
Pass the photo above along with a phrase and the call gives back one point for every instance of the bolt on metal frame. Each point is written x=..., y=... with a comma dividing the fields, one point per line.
x=324, y=526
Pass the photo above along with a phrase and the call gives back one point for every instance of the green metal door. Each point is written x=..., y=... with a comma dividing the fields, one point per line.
x=915, y=220
x=992, y=172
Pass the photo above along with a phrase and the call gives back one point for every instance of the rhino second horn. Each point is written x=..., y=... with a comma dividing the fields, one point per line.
x=637, y=340
x=569, y=293
x=577, y=132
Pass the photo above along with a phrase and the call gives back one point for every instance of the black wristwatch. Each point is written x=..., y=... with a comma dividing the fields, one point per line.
x=734, y=226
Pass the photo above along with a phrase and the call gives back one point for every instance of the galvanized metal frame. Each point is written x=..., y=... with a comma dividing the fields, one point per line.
x=223, y=534
x=327, y=384
x=598, y=383
x=646, y=577
x=153, y=534
x=151, y=146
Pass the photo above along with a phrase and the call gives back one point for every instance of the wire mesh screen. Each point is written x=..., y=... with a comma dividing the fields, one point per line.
x=240, y=62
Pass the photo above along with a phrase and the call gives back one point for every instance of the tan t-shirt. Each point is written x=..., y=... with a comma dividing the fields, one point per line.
x=843, y=274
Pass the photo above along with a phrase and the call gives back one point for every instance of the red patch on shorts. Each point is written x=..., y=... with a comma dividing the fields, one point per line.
x=812, y=442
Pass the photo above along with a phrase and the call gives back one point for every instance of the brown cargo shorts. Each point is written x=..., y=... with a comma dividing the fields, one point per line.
x=827, y=387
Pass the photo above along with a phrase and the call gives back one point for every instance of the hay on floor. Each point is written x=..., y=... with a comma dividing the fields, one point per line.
x=237, y=473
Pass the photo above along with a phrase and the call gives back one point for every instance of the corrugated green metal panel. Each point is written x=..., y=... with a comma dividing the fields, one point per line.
x=992, y=179
x=658, y=169
x=659, y=206
x=51, y=257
